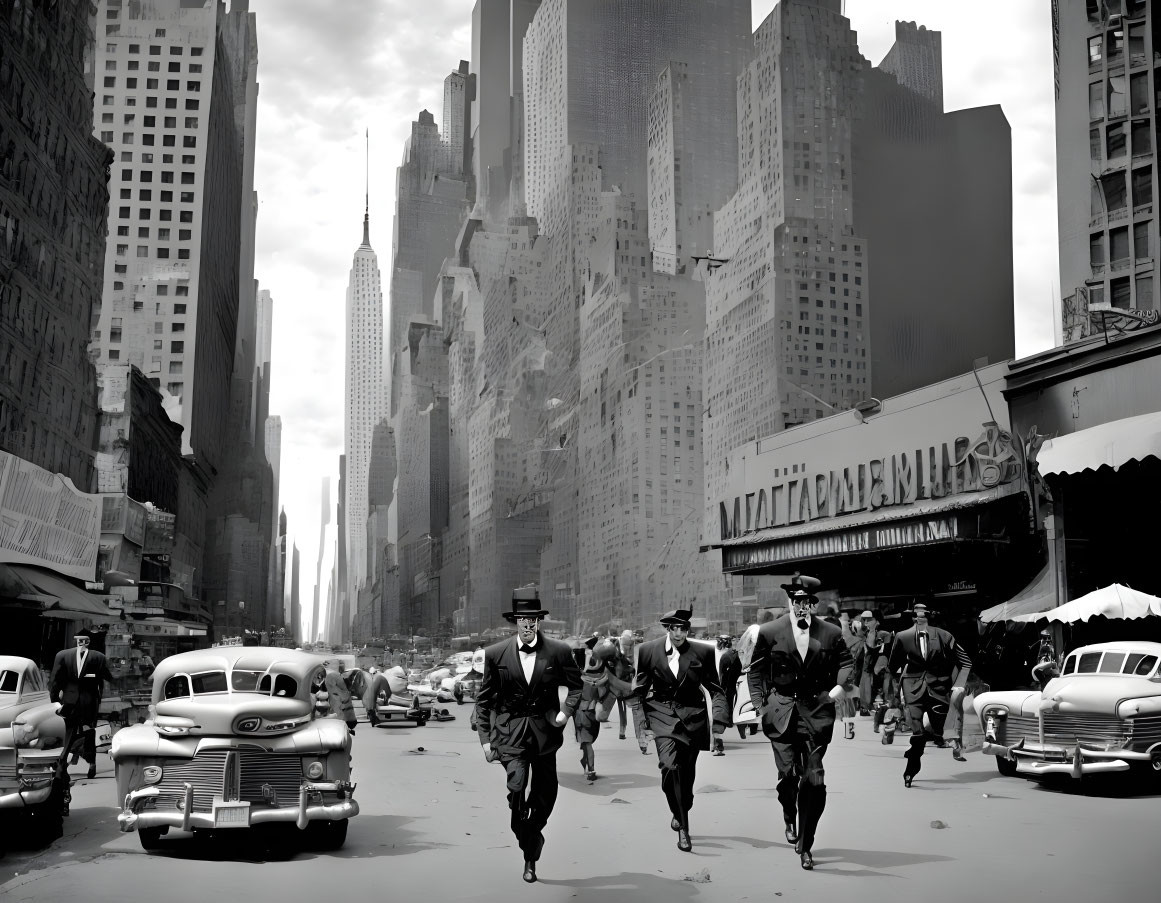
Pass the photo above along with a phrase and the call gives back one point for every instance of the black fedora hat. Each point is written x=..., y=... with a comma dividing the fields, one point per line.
x=802, y=588
x=525, y=604
x=677, y=616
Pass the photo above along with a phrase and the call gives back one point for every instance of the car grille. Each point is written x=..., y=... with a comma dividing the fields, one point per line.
x=1068, y=728
x=8, y=765
x=207, y=774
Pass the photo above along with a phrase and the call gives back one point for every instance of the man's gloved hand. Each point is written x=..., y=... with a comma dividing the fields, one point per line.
x=490, y=755
x=837, y=693
x=561, y=718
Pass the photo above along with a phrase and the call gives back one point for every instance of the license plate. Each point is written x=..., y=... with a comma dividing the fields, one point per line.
x=231, y=815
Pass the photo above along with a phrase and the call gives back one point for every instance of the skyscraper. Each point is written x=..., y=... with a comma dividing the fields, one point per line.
x=1107, y=134
x=365, y=395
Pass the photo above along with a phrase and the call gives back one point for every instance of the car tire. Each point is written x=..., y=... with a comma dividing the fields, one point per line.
x=1006, y=767
x=150, y=838
x=325, y=836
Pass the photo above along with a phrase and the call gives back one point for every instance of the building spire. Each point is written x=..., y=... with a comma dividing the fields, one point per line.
x=367, y=197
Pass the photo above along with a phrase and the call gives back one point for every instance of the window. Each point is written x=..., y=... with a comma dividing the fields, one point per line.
x=173, y=84
x=1143, y=186
x=142, y=250
x=162, y=235
x=1115, y=141
x=175, y=367
x=1094, y=145
x=1115, y=43
x=195, y=68
x=115, y=329
x=187, y=197
x=1118, y=102
x=1120, y=291
x=171, y=122
x=177, y=327
x=185, y=216
x=150, y=84
x=193, y=86
x=162, y=290
x=191, y=141
x=1144, y=299
x=184, y=234
x=1096, y=250
x=167, y=178
x=174, y=388
x=1139, y=94
x=1141, y=250
x=191, y=104
x=178, y=309
x=181, y=291
x=1142, y=138
x=195, y=51
x=106, y=137
x=1119, y=245
x=1096, y=101
x=1113, y=191
x=175, y=67
x=143, y=232
x=1136, y=43
x=114, y=354
x=177, y=347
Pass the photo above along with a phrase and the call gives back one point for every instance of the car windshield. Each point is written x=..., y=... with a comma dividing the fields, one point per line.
x=9, y=681
x=207, y=682
x=1110, y=662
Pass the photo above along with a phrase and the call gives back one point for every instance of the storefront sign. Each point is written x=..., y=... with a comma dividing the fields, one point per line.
x=917, y=455
x=45, y=520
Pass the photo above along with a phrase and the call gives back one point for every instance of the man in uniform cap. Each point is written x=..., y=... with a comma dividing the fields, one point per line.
x=671, y=674
x=797, y=674
x=530, y=686
x=933, y=669
x=77, y=681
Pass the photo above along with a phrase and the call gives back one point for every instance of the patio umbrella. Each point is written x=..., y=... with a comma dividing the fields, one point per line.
x=1113, y=601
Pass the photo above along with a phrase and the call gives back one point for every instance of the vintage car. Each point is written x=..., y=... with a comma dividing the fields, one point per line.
x=1101, y=714
x=234, y=742
x=33, y=783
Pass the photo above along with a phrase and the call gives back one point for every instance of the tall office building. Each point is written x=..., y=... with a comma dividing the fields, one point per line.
x=365, y=395
x=276, y=582
x=1107, y=91
x=294, y=624
x=53, y=209
x=168, y=95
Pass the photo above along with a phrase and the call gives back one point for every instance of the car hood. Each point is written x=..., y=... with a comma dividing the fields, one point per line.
x=217, y=713
x=1081, y=693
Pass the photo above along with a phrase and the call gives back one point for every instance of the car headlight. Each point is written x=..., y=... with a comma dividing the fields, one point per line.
x=151, y=774
x=315, y=770
x=247, y=724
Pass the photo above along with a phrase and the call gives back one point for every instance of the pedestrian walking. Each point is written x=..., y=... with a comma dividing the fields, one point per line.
x=520, y=718
x=622, y=670
x=77, y=681
x=671, y=675
x=729, y=670
x=338, y=694
x=595, y=704
x=797, y=673
x=932, y=669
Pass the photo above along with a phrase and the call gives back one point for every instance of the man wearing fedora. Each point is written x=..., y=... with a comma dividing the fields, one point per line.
x=933, y=669
x=530, y=687
x=671, y=674
x=797, y=674
x=77, y=681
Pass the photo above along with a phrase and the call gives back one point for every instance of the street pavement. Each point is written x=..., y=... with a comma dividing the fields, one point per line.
x=434, y=825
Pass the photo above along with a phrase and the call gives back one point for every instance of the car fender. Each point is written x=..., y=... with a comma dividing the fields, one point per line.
x=1017, y=702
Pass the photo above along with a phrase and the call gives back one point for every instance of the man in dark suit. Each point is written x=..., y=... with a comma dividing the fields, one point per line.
x=729, y=670
x=797, y=673
x=77, y=682
x=530, y=687
x=933, y=669
x=671, y=674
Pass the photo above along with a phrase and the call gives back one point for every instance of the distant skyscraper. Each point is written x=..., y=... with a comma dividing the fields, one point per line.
x=168, y=103
x=365, y=398
x=1107, y=122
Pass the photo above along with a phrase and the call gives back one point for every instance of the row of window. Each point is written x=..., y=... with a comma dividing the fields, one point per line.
x=168, y=122
x=149, y=140
x=155, y=49
x=160, y=253
x=191, y=103
x=1110, y=193
x=134, y=66
x=151, y=84
x=1110, y=94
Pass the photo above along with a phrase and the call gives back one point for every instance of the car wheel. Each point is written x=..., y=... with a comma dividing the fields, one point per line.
x=1006, y=767
x=150, y=838
x=324, y=836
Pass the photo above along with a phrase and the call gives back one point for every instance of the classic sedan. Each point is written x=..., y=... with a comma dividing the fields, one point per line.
x=1101, y=714
x=233, y=742
x=32, y=736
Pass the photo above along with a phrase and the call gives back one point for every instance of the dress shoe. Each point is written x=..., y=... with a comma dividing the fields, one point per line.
x=791, y=833
x=683, y=842
x=957, y=752
x=92, y=772
x=644, y=750
x=621, y=735
x=591, y=775
x=675, y=824
x=807, y=860
x=718, y=752
x=907, y=779
x=529, y=872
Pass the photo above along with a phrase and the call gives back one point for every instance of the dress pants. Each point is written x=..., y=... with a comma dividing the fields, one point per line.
x=633, y=704
x=801, y=780
x=82, y=726
x=936, y=711
x=678, y=764
x=536, y=775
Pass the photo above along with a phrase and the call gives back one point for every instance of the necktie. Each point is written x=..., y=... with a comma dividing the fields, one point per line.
x=528, y=650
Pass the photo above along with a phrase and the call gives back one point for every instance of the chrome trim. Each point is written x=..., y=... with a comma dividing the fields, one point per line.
x=347, y=808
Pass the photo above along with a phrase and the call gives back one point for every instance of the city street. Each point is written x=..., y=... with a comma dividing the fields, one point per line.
x=434, y=824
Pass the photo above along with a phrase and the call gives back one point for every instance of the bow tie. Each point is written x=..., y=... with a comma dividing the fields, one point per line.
x=530, y=650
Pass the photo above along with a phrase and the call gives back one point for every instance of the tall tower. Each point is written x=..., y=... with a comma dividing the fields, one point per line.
x=365, y=396
x=1106, y=162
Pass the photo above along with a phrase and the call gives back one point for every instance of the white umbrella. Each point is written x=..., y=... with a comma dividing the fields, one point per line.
x=1114, y=601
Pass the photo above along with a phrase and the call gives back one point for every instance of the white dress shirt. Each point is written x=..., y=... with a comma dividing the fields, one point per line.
x=923, y=643
x=802, y=639
x=674, y=657
x=528, y=659
x=82, y=654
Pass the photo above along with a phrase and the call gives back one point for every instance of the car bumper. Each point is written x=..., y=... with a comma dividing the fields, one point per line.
x=22, y=799
x=1076, y=761
x=132, y=817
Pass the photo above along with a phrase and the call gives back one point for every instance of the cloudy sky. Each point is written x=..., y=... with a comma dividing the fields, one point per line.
x=328, y=71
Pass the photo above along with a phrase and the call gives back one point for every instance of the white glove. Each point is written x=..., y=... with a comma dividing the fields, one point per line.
x=561, y=718
x=837, y=693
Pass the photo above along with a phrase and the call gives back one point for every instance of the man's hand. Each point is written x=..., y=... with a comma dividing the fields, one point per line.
x=837, y=693
x=561, y=718
x=489, y=756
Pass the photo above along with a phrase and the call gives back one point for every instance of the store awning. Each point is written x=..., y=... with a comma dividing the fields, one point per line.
x=1107, y=445
x=14, y=586
x=1030, y=603
x=64, y=598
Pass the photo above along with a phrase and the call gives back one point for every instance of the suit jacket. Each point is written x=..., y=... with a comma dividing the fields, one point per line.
x=518, y=716
x=80, y=692
x=782, y=682
x=674, y=707
x=933, y=674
